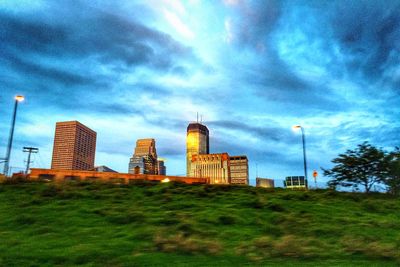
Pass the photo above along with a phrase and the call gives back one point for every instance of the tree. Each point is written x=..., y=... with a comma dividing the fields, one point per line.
x=364, y=166
x=393, y=178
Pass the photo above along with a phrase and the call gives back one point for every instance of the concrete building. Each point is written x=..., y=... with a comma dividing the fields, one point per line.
x=197, y=143
x=239, y=168
x=74, y=146
x=296, y=182
x=146, y=147
x=144, y=159
x=212, y=166
x=265, y=182
x=162, y=170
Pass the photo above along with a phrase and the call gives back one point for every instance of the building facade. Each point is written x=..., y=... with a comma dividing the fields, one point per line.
x=144, y=159
x=265, y=182
x=146, y=147
x=197, y=143
x=162, y=170
x=212, y=166
x=239, y=167
x=74, y=146
x=296, y=182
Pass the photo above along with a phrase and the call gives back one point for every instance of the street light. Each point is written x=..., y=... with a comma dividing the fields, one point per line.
x=304, y=150
x=18, y=98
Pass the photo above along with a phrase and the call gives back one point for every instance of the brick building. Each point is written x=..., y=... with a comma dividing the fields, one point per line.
x=239, y=167
x=74, y=146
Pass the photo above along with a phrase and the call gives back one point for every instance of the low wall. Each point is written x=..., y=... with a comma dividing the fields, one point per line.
x=70, y=175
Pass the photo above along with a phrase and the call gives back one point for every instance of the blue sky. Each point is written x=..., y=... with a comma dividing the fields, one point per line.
x=138, y=69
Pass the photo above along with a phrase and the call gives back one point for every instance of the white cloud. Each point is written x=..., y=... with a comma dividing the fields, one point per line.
x=229, y=36
x=178, y=25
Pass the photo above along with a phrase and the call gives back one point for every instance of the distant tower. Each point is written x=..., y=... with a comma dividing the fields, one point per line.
x=162, y=170
x=74, y=146
x=144, y=160
x=197, y=143
x=146, y=147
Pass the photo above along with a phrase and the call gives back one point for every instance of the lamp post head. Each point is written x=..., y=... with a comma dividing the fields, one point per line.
x=19, y=98
x=296, y=127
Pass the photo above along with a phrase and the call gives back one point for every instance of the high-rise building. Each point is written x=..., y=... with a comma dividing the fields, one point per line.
x=197, y=143
x=162, y=170
x=142, y=165
x=144, y=159
x=74, y=146
x=239, y=167
x=146, y=147
x=212, y=166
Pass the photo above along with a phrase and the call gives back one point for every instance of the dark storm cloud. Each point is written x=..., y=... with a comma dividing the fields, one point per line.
x=368, y=32
x=28, y=68
x=57, y=54
x=108, y=37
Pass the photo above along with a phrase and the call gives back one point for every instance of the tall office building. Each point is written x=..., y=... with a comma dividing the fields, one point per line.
x=197, y=143
x=74, y=146
x=216, y=167
x=146, y=147
x=239, y=167
x=144, y=159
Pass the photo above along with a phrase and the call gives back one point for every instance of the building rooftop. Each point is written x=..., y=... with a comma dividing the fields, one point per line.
x=194, y=126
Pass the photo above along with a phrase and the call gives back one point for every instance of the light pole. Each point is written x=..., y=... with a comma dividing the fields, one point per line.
x=18, y=98
x=304, y=150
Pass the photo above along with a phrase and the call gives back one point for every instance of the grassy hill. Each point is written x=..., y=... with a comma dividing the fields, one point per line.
x=194, y=225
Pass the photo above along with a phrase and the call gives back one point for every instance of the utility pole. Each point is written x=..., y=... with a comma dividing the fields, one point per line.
x=29, y=150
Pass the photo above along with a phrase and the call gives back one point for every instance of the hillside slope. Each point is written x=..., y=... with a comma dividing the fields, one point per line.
x=194, y=225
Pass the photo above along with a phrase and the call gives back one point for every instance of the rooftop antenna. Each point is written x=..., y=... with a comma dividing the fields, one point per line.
x=197, y=117
x=201, y=119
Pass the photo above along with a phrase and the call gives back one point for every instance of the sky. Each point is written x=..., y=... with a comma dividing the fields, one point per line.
x=252, y=69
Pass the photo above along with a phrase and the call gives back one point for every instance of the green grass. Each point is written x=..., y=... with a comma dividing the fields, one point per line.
x=95, y=224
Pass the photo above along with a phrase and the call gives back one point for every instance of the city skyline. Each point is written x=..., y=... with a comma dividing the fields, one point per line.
x=137, y=69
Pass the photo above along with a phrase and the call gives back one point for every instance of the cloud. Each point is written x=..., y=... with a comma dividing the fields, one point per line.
x=368, y=33
x=88, y=52
x=256, y=19
x=263, y=133
x=252, y=68
x=108, y=37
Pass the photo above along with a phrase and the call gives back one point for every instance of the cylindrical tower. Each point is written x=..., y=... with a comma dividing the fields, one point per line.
x=197, y=142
